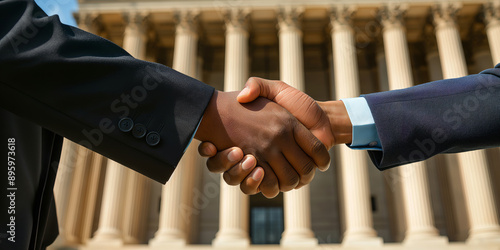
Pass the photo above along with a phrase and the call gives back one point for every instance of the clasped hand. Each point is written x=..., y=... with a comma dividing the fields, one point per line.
x=281, y=137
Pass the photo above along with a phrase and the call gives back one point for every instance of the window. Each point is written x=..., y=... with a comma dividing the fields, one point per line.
x=266, y=225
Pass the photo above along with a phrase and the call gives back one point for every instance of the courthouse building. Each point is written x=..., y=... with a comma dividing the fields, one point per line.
x=330, y=49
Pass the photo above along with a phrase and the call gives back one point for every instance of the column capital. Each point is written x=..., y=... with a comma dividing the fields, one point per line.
x=137, y=20
x=186, y=22
x=90, y=22
x=444, y=14
x=289, y=18
x=392, y=15
x=491, y=11
x=236, y=19
x=340, y=16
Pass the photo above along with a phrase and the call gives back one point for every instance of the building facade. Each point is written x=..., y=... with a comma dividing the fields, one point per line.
x=331, y=50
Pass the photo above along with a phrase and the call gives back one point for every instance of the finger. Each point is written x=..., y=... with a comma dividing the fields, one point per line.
x=299, y=186
x=224, y=160
x=302, y=163
x=207, y=149
x=251, y=183
x=255, y=87
x=236, y=174
x=311, y=177
x=288, y=177
x=269, y=185
x=312, y=146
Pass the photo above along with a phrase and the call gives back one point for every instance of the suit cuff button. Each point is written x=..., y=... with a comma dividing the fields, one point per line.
x=153, y=138
x=125, y=124
x=139, y=131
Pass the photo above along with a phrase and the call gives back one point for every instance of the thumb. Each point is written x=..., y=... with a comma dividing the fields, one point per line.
x=256, y=87
x=207, y=149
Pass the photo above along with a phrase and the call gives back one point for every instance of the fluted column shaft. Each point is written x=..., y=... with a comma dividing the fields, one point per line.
x=136, y=207
x=171, y=226
x=135, y=204
x=69, y=154
x=492, y=18
x=354, y=172
x=134, y=40
x=297, y=205
x=176, y=203
x=493, y=33
x=449, y=42
x=413, y=177
x=62, y=185
x=78, y=189
x=482, y=211
x=290, y=46
x=173, y=222
x=109, y=229
x=96, y=165
x=234, y=205
x=73, y=172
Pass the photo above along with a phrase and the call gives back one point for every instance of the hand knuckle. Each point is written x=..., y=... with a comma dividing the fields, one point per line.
x=318, y=148
x=212, y=167
x=230, y=180
x=290, y=182
x=308, y=168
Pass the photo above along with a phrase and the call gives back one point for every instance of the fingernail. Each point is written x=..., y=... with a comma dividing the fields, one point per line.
x=244, y=92
x=247, y=164
x=234, y=155
x=257, y=175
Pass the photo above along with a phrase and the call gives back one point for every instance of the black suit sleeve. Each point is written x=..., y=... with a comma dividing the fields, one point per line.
x=80, y=86
x=446, y=116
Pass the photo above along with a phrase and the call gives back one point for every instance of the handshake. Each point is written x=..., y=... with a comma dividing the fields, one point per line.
x=270, y=137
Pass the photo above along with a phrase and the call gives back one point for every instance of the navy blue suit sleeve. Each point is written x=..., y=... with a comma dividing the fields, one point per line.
x=80, y=86
x=446, y=116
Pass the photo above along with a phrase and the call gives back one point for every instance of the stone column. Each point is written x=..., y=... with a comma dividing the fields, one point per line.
x=74, y=162
x=451, y=195
x=135, y=209
x=97, y=164
x=482, y=211
x=89, y=22
x=492, y=18
x=234, y=205
x=392, y=181
x=109, y=229
x=78, y=190
x=174, y=218
x=356, y=185
x=136, y=202
x=110, y=224
x=62, y=186
x=193, y=165
x=134, y=39
x=297, y=205
x=418, y=211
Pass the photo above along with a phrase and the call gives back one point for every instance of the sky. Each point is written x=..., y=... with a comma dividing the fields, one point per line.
x=63, y=8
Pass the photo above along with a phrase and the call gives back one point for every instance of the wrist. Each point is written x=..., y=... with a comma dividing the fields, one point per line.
x=340, y=122
x=210, y=117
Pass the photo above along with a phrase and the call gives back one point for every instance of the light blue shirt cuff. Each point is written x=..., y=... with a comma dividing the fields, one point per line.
x=364, y=131
x=193, y=134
